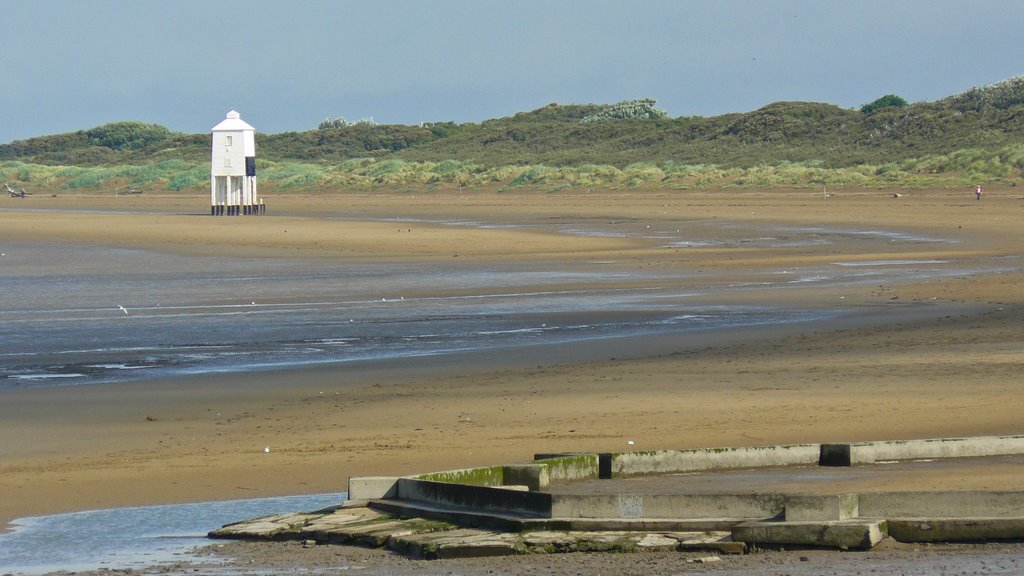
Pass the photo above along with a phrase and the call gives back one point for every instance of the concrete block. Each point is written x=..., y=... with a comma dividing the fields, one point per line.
x=568, y=467
x=372, y=487
x=956, y=530
x=630, y=524
x=672, y=461
x=870, y=452
x=483, y=476
x=811, y=507
x=713, y=506
x=466, y=517
x=584, y=506
x=740, y=506
x=859, y=534
x=865, y=454
x=480, y=498
x=942, y=505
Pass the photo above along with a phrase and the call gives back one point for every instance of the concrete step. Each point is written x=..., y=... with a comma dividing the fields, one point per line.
x=847, y=534
x=461, y=516
x=955, y=529
x=475, y=518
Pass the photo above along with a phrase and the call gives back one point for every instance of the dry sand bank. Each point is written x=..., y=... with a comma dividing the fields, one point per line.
x=908, y=368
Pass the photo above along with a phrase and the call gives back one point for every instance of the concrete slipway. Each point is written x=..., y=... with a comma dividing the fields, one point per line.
x=721, y=499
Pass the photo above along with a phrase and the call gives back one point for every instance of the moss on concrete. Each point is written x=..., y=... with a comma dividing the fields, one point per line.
x=487, y=476
x=574, y=467
x=423, y=526
x=848, y=506
x=623, y=544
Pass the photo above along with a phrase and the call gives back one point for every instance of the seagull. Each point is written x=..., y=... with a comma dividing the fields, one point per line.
x=123, y=309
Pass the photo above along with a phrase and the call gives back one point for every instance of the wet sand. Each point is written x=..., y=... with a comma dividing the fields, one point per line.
x=926, y=359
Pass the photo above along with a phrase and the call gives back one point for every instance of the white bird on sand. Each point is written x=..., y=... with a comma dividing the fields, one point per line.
x=123, y=309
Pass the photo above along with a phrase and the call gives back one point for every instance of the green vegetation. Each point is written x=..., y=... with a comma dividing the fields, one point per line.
x=999, y=96
x=127, y=135
x=571, y=467
x=976, y=135
x=960, y=168
x=340, y=122
x=887, y=101
x=642, y=109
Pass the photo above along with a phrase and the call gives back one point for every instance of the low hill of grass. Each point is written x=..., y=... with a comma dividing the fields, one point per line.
x=976, y=134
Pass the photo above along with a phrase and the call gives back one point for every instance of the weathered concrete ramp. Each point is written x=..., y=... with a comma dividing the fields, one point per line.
x=515, y=509
x=465, y=543
x=431, y=539
x=360, y=525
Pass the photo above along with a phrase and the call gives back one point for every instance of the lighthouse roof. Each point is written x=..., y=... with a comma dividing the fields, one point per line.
x=232, y=122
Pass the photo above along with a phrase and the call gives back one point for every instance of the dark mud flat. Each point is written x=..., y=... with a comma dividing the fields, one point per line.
x=888, y=558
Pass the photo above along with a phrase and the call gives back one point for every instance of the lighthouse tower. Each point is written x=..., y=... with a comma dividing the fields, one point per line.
x=233, y=171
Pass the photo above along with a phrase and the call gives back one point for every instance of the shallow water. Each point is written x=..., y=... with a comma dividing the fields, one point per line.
x=75, y=315
x=122, y=538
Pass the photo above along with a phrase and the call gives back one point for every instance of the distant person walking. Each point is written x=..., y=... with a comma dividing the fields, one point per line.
x=977, y=193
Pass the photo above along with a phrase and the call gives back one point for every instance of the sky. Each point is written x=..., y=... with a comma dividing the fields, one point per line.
x=68, y=65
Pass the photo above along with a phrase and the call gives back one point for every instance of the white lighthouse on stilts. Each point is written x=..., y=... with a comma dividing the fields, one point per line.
x=233, y=171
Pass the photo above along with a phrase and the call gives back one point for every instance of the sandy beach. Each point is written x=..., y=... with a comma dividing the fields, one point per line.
x=922, y=358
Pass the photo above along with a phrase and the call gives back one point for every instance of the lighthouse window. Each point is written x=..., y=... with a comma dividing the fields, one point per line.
x=227, y=140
